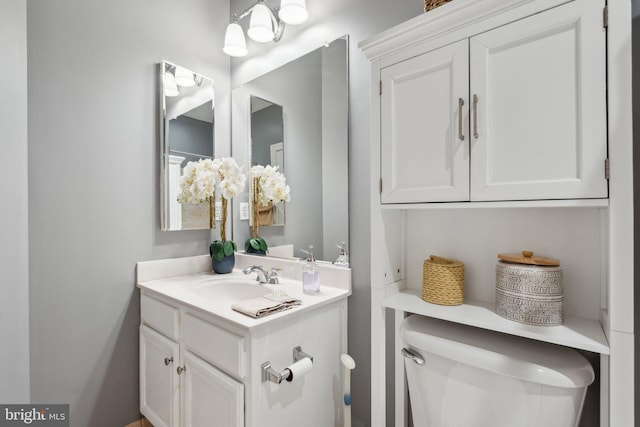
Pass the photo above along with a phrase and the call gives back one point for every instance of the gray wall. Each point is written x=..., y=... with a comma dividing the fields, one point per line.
x=267, y=128
x=329, y=20
x=635, y=40
x=93, y=185
x=190, y=136
x=14, y=233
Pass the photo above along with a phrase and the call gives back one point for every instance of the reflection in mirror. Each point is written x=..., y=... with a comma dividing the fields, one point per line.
x=312, y=92
x=186, y=134
x=267, y=149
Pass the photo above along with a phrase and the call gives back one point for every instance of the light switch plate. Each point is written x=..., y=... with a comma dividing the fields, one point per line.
x=244, y=211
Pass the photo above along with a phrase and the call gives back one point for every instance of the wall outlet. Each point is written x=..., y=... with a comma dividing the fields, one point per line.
x=244, y=211
x=218, y=211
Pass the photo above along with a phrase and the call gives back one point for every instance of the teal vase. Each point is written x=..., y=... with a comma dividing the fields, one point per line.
x=225, y=265
x=251, y=250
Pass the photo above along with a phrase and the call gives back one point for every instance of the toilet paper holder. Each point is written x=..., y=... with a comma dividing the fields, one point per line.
x=270, y=374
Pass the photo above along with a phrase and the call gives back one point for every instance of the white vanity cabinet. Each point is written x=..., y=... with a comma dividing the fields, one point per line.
x=511, y=111
x=179, y=387
x=202, y=364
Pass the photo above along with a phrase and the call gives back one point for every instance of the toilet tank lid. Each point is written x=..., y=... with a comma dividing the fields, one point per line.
x=507, y=355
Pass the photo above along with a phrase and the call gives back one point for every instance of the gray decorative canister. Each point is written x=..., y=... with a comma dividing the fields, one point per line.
x=529, y=289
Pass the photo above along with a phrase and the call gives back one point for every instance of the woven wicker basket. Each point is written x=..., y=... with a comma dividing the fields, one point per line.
x=432, y=4
x=443, y=281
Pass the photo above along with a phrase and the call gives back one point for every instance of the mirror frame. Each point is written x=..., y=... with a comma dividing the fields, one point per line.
x=242, y=150
x=165, y=149
x=280, y=206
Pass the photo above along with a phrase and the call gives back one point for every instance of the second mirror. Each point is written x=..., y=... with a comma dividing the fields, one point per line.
x=267, y=161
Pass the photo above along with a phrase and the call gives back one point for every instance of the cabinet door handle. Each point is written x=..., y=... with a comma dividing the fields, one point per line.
x=460, y=105
x=167, y=360
x=181, y=369
x=475, y=116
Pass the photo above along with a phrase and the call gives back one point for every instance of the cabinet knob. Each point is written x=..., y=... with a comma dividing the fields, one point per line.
x=181, y=369
x=167, y=360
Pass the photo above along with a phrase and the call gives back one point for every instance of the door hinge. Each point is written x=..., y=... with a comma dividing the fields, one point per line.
x=380, y=185
x=380, y=88
x=605, y=16
x=607, y=169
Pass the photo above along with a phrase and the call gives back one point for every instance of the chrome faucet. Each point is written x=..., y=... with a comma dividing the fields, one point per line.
x=263, y=276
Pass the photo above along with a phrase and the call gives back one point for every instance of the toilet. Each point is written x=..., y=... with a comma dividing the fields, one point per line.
x=461, y=376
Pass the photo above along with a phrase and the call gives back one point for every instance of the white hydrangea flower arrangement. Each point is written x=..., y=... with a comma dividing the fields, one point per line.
x=273, y=184
x=269, y=187
x=232, y=180
x=200, y=181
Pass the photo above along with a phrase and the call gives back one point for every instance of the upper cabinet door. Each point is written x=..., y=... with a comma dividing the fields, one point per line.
x=541, y=107
x=424, y=127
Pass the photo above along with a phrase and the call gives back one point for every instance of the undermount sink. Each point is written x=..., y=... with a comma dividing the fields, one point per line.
x=231, y=290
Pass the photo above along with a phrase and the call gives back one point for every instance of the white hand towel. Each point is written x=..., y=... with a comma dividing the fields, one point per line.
x=262, y=306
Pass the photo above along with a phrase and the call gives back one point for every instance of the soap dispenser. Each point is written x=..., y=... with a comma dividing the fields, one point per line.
x=343, y=258
x=310, y=274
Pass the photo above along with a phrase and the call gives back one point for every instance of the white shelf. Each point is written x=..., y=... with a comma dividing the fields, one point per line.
x=569, y=203
x=576, y=332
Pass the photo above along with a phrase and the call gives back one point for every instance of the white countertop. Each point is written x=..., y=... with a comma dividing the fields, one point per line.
x=184, y=289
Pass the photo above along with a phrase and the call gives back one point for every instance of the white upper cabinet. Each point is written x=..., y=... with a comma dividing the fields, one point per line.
x=540, y=129
x=514, y=113
x=425, y=144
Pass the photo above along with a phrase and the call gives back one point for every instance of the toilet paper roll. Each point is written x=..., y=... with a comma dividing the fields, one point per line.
x=299, y=369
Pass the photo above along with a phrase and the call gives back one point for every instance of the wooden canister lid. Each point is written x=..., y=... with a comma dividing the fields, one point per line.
x=526, y=257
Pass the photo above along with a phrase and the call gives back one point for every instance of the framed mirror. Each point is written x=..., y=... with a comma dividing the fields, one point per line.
x=267, y=149
x=187, y=122
x=312, y=92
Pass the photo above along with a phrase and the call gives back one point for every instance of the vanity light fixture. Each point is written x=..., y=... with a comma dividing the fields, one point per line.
x=184, y=77
x=175, y=76
x=260, y=27
x=293, y=12
x=266, y=24
x=234, y=42
x=170, y=86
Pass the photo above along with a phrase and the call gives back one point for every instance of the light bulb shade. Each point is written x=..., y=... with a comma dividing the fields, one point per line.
x=184, y=77
x=260, y=27
x=170, y=88
x=293, y=12
x=234, y=42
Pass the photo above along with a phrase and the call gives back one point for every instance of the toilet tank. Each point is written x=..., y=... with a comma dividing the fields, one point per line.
x=476, y=377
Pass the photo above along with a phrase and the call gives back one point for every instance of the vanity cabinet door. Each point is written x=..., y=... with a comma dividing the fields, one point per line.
x=159, y=396
x=541, y=107
x=424, y=127
x=210, y=398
